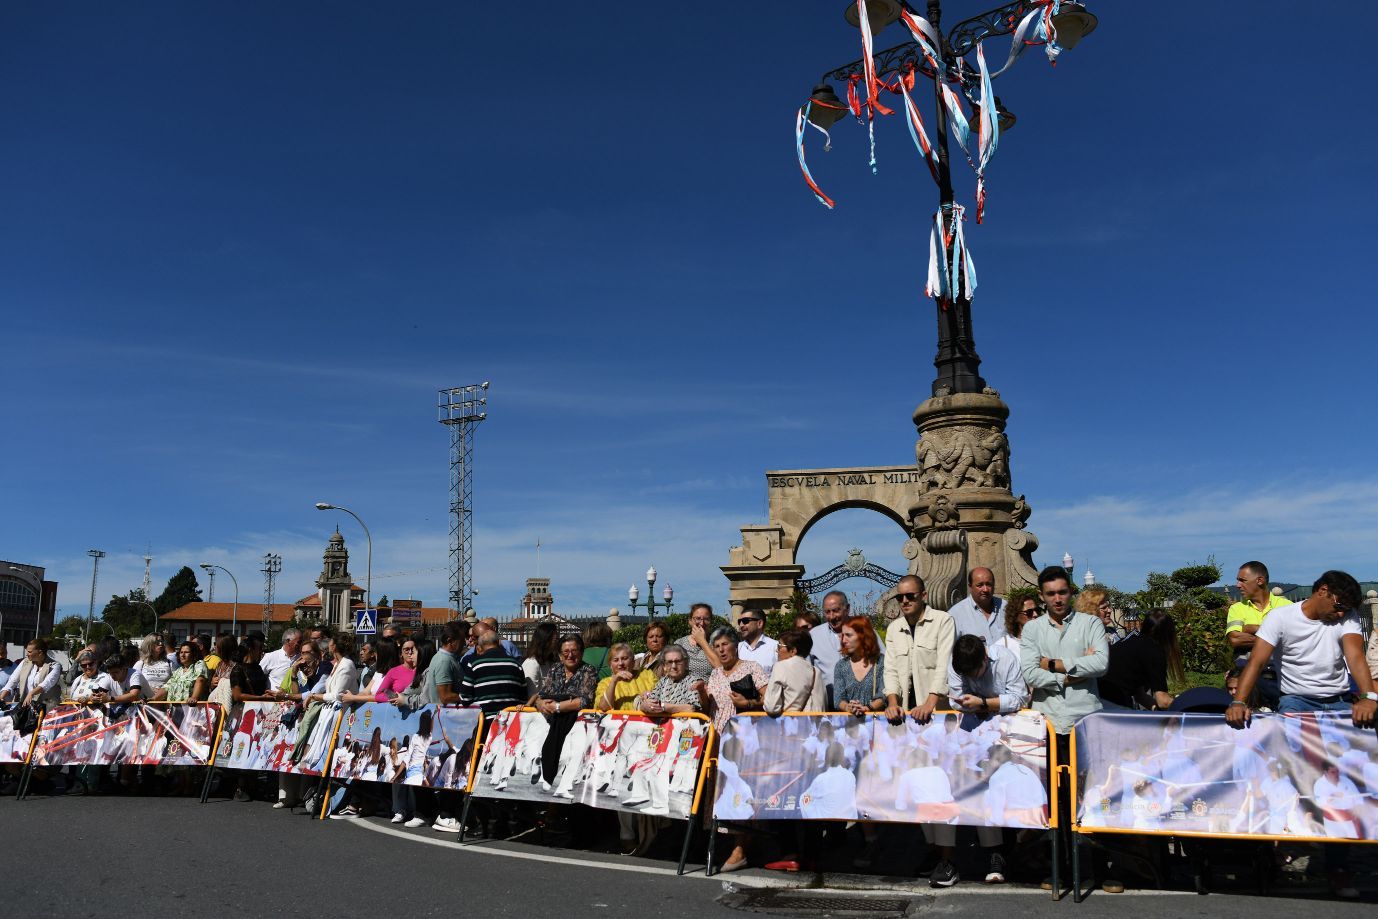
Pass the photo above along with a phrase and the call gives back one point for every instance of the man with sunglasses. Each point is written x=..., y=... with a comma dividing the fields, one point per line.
x=920, y=650
x=756, y=645
x=1318, y=646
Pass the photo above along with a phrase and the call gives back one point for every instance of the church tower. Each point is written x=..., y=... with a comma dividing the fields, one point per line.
x=334, y=585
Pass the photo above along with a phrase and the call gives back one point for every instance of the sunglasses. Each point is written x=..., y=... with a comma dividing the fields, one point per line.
x=904, y=598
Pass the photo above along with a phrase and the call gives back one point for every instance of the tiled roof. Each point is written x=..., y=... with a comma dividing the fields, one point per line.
x=201, y=611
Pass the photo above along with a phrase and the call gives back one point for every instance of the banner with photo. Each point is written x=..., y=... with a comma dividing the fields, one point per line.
x=279, y=737
x=969, y=771
x=1309, y=775
x=431, y=746
x=623, y=761
x=152, y=734
x=14, y=746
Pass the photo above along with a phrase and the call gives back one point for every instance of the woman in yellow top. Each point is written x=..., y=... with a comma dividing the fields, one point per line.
x=622, y=691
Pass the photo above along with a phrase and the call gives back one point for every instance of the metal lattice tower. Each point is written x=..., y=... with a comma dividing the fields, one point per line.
x=461, y=409
x=272, y=565
x=210, y=585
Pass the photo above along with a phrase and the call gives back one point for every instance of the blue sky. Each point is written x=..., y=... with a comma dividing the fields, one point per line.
x=244, y=245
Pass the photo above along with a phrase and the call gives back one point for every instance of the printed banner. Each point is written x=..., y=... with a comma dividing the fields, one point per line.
x=146, y=735
x=431, y=746
x=14, y=747
x=991, y=772
x=268, y=736
x=1288, y=776
x=623, y=761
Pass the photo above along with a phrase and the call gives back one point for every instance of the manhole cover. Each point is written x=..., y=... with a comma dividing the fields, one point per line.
x=800, y=902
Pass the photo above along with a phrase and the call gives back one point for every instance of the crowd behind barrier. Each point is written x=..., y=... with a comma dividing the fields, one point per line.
x=1067, y=766
x=834, y=766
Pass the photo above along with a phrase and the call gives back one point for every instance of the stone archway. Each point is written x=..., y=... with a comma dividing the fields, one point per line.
x=954, y=505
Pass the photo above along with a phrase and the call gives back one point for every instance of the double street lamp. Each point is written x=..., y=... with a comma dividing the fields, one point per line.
x=368, y=584
x=957, y=362
x=668, y=596
x=234, y=613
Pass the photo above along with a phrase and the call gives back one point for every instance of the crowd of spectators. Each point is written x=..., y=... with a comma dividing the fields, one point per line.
x=1061, y=654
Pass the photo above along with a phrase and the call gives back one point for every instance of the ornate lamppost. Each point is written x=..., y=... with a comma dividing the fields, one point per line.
x=964, y=512
x=668, y=596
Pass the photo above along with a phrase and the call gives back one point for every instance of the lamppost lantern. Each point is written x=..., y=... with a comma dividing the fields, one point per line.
x=669, y=594
x=633, y=594
x=1088, y=578
x=1072, y=23
x=651, y=575
x=825, y=109
x=322, y=506
x=879, y=14
x=1067, y=561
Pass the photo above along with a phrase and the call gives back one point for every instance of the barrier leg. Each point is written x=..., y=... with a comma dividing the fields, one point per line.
x=323, y=792
x=25, y=776
x=712, y=845
x=206, y=785
x=1077, y=894
x=464, y=816
x=1057, y=864
x=684, y=850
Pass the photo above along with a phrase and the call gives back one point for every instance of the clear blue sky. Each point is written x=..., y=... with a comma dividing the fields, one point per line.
x=243, y=245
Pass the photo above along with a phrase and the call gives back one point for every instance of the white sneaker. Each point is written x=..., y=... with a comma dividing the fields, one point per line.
x=414, y=822
x=445, y=825
x=398, y=818
x=280, y=805
x=653, y=811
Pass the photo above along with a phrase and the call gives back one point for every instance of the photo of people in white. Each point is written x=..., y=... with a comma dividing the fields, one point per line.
x=264, y=736
x=168, y=735
x=614, y=761
x=1310, y=775
x=428, y=747
x=980, y=772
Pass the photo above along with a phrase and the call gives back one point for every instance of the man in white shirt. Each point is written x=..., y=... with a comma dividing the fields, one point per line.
x=756, y=645
x=1313, y=643
x=827, y=636
x=277, y=664
x=980, y=612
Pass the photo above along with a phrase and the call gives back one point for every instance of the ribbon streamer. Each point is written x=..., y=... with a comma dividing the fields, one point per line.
x=1040, y=23
x=801, y=118
x=951, y=273
x=916, y=126
x=988, y=133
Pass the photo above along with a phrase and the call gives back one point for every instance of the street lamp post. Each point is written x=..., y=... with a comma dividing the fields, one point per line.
x=651, y=606
x=234, y=612
x=154, y=609
x=368, y=584
x=38, y=594
x=96, y=556
x=957, y=362
x=1069, y=563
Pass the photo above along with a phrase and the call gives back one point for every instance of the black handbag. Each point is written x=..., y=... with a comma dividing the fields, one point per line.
x=27, y=718
x=745, y=687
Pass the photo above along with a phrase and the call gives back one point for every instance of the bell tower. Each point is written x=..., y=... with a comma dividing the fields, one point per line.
x=334, y=584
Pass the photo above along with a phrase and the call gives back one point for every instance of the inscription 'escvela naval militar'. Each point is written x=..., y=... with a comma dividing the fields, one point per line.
x=843, y=480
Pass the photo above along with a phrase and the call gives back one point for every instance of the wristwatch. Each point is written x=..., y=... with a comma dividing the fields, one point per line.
x=1371, y=696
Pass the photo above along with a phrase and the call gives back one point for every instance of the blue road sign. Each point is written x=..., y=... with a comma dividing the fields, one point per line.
x=366, y=622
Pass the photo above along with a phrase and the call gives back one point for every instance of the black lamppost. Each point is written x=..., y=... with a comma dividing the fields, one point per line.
x=957, y=362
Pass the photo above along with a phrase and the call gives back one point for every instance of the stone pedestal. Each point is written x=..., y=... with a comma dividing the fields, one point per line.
x=964, y=514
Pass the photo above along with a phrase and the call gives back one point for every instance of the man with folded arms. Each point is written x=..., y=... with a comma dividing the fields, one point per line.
x=1318, y=647
x=1242, y=622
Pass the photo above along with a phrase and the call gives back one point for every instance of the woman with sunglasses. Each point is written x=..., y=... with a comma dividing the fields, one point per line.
x=153, y=664
x=1017, y=615
x=190, y=681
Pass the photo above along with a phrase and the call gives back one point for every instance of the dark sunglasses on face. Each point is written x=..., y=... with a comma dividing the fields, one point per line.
x=903, y=598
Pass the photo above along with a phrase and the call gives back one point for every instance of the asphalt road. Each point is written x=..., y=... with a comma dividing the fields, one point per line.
x=169, y=857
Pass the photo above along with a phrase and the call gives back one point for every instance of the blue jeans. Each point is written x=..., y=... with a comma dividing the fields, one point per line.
x=1336, y=854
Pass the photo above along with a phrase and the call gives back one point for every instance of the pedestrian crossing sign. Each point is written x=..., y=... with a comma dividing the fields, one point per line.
x=366, y=622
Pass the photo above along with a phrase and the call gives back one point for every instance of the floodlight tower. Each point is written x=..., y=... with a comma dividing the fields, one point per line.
x=272, y=566
x=461, y=408
x=148, y=572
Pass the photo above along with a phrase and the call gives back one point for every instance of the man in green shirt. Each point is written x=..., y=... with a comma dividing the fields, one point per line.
x=1243, y=619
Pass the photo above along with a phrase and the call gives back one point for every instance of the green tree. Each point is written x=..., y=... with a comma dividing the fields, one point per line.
x=127, y=618
x=181, y=589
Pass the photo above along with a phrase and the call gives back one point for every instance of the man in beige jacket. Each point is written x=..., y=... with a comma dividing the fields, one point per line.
x=919, y=650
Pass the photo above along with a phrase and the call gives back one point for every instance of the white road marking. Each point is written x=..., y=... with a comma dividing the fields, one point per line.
x=741, y=879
